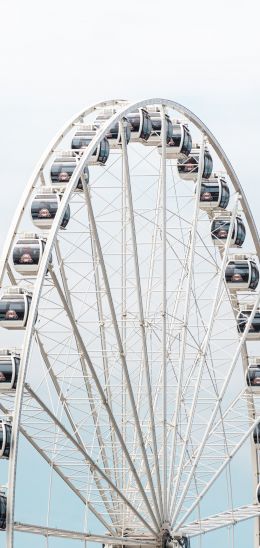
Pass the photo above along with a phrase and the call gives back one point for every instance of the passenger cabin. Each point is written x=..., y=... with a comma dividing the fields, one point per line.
x=113, y=135
x=253, y=375
x=44, y=207
x=5, y=439
x=258, y=493
x=242, y=273
x=63, y=168
x=155, y=138
x=180, y=143
x=220, y=228
x=27, y=254
x=3, y=505
x=188, y=167
x=242, y=320
x=256, y=435
x=140, y=125
x=82, y=139
x=15, y=305
x=9, y=369
x=214, y=193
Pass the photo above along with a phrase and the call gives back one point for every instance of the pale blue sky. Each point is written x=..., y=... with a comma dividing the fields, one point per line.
x=58, y=56
x=110, y=40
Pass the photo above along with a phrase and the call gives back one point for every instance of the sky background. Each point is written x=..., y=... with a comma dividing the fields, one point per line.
x=59, y=56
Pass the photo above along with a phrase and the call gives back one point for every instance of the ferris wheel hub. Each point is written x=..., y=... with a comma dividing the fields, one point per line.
x=168, y=541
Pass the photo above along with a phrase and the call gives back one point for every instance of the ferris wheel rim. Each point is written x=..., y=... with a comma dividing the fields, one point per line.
x=69, y=124
x=54, y=230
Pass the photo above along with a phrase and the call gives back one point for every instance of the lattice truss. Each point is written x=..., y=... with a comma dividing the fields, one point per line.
x=95, y=395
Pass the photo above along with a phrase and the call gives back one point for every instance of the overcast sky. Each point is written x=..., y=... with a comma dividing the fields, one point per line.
x=58, y=56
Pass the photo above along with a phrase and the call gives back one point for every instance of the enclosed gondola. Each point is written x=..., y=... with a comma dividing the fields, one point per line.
x=9, y=369
x=14, y=308
x=27, y=254
x=242, y=320
x=258, y=493
x=155, y=138
x=63, y=168
x=113, y=135
x=188, y=167
x=44, y=207
x=253, y=375
x=256, y=435
x=214, y=193
x=82, y=139
x=220, y=228
x=180, y=143
x=140, y=125
x=242, y=272
x=3, y=508
x=5, y=439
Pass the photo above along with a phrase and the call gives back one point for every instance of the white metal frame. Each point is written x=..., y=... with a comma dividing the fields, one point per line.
x=85, y=158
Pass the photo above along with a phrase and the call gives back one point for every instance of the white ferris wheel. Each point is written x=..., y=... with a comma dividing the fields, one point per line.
x=130, y=358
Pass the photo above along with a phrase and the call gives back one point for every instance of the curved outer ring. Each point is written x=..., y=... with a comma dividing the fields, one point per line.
x=126, y=108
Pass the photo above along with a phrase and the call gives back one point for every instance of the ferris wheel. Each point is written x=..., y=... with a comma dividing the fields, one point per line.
x=130, y=333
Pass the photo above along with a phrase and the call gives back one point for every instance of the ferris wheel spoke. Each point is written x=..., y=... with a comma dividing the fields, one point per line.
x=55, y=423
x=171, y=339
x=189, y=459
x=75, y=427
x=233, y=422
x=79, y=535
x=181, y=281
x=138, y=400
x=176, y=240
x=156, y=229
x=200, y=359
x=216, y=475
x=101, y=392
x=141, y=315
x=104, y=354
x=184, y=272
x=200, y=350
x=218, y=521
x=207, y=250
x=84, y=371
x=222, y=440
x=121, y=349
x=216, y=407
x=94, y=412
x=147, y=312
x=181, y=220
x=44, y=454
x=164, y=312
x=185, y=324
x=173, y=239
